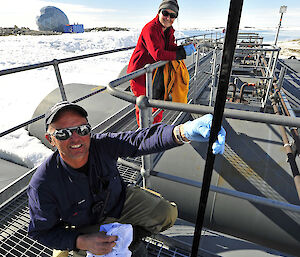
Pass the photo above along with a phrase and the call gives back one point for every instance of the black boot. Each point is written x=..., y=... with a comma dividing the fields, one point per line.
x=138, y=247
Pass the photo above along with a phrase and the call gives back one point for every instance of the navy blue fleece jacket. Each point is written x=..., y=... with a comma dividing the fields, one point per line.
x=61, y=198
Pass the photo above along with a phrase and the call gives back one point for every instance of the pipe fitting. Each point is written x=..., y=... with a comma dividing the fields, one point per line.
x=148, y=68
x=142, y=101
x=145, y=173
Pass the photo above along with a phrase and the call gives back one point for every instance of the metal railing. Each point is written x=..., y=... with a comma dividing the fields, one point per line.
x=56, y=62
x=145, y=103
x=258, y=52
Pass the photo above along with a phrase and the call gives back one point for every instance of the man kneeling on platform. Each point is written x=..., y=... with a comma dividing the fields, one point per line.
x=79, y=187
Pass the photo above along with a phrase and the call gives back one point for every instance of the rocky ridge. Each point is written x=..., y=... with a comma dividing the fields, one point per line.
x=15, y=31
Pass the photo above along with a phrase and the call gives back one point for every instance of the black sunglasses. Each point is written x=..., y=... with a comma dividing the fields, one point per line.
x=166, y=13
x=65, y=133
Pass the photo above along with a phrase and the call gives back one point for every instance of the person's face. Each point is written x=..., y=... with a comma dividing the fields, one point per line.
x=74, y=150
x=166, y=21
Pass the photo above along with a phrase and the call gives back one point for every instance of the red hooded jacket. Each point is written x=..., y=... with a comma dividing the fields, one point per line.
x=153, y=45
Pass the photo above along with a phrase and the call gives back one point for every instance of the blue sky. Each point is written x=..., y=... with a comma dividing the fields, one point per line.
x=136, y=13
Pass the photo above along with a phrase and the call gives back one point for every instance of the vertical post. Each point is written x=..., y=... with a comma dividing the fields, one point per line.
x=270, y=81
x=233, y=22
x=282, y=10
x=213, y=75
x=149, y=90
x=59, y=80
x=149, y=94
x=257, y=59
x=204, y=38
x=195, y=73
x=281, y=77
x=278, y=28
x=145, y=122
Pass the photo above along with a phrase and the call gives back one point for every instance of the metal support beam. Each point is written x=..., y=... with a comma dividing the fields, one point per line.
x=233, y=22
x=59, y=80
x=145, y=121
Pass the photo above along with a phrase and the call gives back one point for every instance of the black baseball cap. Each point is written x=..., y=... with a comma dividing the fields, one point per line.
x=64, y=105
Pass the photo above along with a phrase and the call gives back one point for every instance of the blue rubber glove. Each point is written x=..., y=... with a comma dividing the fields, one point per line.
x=199, y=130
x=189, y=49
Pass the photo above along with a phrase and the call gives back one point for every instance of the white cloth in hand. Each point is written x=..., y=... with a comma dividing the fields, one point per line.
x=124, y=232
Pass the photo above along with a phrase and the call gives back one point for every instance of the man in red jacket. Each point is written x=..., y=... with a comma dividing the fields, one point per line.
x=156, y=43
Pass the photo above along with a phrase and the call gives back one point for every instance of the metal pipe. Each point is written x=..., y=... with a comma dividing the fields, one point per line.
x=69, y=59
x=24, y=124
x=213, y=76
x=229, y=113
x=243, y=90
x=233, y=92
x=251, y=77
x=59, y=80
x=247, y=49
x=288, y=112
x=269, y=73
x=145, y=122
x=263, y=71
x=271, y=80
x=149, y=90
x=201, y=35
x=201, y=109
x=281, y=77
x=234, y=15
x=196, y=70
x=291, y=158
x=285, y=103
x=238, y=194
x=127, y=97
x=257, y=61
x=248, y=44
x=248, y=66
x=278, y=28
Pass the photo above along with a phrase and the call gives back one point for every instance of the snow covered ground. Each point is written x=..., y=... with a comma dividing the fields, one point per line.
x=290, y=48
x=22, y=92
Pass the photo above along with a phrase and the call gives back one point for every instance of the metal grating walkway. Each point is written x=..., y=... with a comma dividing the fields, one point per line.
x=14, y=219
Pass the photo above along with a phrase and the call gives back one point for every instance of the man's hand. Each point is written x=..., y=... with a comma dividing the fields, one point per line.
x=97, y=243
x=199, y=130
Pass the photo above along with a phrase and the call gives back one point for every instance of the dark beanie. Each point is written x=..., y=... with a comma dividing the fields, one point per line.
x=169, y=4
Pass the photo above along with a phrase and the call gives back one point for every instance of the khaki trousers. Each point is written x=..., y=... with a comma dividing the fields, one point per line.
x=142, y=207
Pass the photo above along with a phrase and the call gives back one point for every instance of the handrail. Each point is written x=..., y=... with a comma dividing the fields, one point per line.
x=191, y=108
x=238, y=194
x=58, y=61
x=225, y=191
x=55, y=63
x=26, y=123
x=75, y=58
x=144, y=102
x=200, y=35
